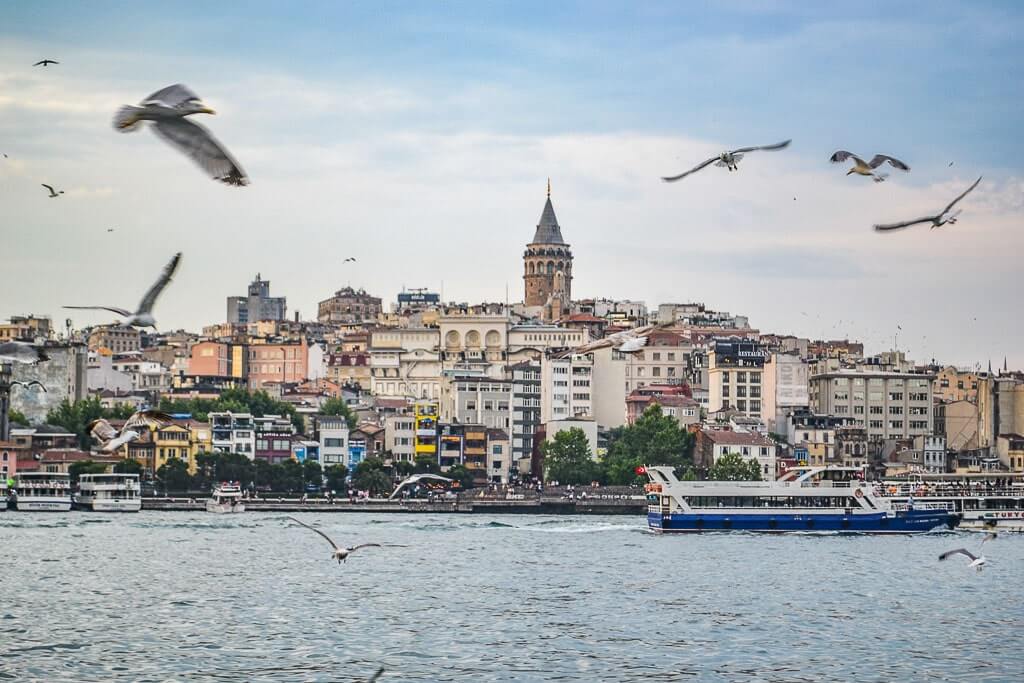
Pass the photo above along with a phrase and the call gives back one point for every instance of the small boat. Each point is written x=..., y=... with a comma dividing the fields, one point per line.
x=815, y=499
x=227, y=497
x=42, y=491
x=109, y=493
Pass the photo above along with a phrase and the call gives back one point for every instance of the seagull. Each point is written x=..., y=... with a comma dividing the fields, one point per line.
x=340, y=554
x=143, y=317
x=46, y=62
x=22, y=352
x=53, y=194
x=167, y=110
x=633, y=345
x=110, y=439
x=867, y=168
x=977, y=561
x=626, y=341
x=110, y=230
x=29, y=384
x=350, y=258
x=938, y=220
x=728, y=159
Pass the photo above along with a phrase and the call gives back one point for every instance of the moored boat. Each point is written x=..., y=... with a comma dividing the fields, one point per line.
x=986, y=501
x=42, y=491
x=109, y=493
x=227, y=497
x=816, y=499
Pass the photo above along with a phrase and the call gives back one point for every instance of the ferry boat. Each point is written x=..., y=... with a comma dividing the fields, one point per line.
x=3, y=493
x=227, y=497
x=987, y=502
x=815, y=499
x=109, y=493
x=42, y=491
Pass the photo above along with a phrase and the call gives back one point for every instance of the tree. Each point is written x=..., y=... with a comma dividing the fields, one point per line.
x=336, y=476
x=338, y=407
x=291, y=475
x=654, y=439
x=75, y=417
x=312, y=473
x=128, y=466
x=426, y=464
x=567, y=458
x=369, y=475
x=17, y=417
x=403, y=468
x=80, y=467
x=173, y=475
x=463, y=475
x=734, y=467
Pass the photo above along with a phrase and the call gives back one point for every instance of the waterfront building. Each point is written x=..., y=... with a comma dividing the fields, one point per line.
x=735, y=372
x=565, y=383
x=1010, y=449
x=348, y=306
x=712, y=444
x=333, y=434
x=115, y=338
x=426, y=415
x=784, y=389
x=256, y=305
x=233, y=433
x=400, y=437
x=585, y=424
x=479, y=400
x=274, y=434
x=957, y=422
x=365, y=441
x=673, y=401
x=184, y=439
x=547, y=267
x=526, y=408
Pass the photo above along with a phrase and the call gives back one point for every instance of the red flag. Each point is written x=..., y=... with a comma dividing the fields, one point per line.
x=640, y=469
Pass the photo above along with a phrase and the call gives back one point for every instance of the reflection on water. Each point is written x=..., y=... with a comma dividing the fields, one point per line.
x=175, y=596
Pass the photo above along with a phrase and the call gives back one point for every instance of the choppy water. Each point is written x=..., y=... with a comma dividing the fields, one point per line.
x=197, y=597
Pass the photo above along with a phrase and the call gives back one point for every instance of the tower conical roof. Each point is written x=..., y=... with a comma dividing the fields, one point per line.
x=548, y=231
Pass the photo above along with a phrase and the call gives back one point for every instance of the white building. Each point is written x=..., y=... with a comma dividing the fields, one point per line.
x=714, y=443
x=233, y=433
x=102, y=375
x=526, y=409
x=333, y=436
x=400, y=437
x=587, y=425
x=479, y=400
x=735, y=371
x=565, y=387
x=406, y=362
x=784, y=389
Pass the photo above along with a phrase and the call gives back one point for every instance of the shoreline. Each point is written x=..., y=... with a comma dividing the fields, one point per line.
x=553, y=506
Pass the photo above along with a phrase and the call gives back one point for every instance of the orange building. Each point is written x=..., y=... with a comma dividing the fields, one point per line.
x=277, y=362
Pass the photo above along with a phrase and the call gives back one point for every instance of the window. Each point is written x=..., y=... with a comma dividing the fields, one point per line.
x=671, y=356
x=841, y=410
x=657, y=356
x=755, y=392
x=336, y=443
x=895, y=395
x=725, y=377
x=496, y=449
x=858, y=410
x=741, y=391
x=895, y=424
x=895, y=410
x=875, y=424
x=656, y=372
x=876, y=410
x=755, y=406
x=725, y=392
x=741, y=406
x=755, y=377
x=671, y=372
x=741, y=377
x=470, y=405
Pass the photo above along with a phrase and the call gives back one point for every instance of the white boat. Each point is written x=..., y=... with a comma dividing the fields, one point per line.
x=42, y=491
x=3, y=494
x=226, y=498
x=109, y=493
x=987, y=502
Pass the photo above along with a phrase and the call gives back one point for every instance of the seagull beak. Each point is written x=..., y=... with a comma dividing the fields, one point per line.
x=206, y=110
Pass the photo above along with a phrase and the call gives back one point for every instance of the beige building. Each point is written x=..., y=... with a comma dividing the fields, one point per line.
x=26, y=328
x=1000, y=408
x=956, y=385
x=735, y=376
x=474, y=340
x=1010, y=448
x=958, y=422
x=115, y=338
x=888, y=404
x=784, y=389
x=405, y=362
x=664, y=360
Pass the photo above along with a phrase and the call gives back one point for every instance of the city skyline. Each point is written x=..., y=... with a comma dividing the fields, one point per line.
x=433, y=170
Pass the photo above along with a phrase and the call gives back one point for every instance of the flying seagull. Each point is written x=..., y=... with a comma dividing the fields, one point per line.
x=977, y=561
x=22, y=352
x=937, y=220
x=728, y=159
x=167, y=110
x=340, y=554
x=143, y=317
x=110, y=439
x=867, y=168
x=46, y=62
x=53, y=194
x=29, y=384
x=350, y=258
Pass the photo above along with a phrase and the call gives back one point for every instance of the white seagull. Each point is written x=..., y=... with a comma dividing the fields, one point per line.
x=110, y=439
x=22, y=352
x=728, y=159
x=167, y=110
x=53, y=193
x=867, y=168
x=977, y=561
x=937, y=220
x=143, y=316
x=626, y=341
x=340, y=554
x=29, y=384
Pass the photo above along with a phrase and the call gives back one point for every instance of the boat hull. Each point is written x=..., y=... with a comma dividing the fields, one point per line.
x=224, y=508
x=915, y=521
x=113, y=505
x=24, y=504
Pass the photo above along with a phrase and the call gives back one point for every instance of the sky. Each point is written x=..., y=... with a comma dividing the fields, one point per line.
x=418, y=138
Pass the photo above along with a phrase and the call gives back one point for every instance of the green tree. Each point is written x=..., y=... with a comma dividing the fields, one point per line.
x=265, y=474
x=80, y=467
x=312, y=473
x=173, y=475
x=370, y=475
x=233, y=467
x=128, y=466
x=403, y=468
x=463, y=475
x=291, y=476
x=75, y=417
x=734, y=467
x=234, y=400
x=654, y=439
x=17, y=417
x=338, y=407
x=336, y=476
x=426, y=464
x=567, y=458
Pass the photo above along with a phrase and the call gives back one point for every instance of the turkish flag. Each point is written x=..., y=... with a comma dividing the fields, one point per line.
x=640, y=469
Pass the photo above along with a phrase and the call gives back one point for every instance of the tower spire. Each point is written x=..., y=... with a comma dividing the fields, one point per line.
x=549, y=188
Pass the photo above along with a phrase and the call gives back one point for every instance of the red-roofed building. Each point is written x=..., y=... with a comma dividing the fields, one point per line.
x=593, y=325
x=714, y=443
x=682, y=408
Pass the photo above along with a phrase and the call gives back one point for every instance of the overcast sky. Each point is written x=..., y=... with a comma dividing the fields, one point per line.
x=418, y=138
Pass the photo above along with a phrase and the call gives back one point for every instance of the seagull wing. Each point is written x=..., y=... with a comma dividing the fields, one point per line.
x=768, y=148
x=200, y=145
x=37, y=383
x=883, y=227
x=149, y=419
x=101, y=430
x=990, y=536
x=112, y=309
x=48, y=187
x=172, y=96
x=364, y=545
x=959, y=551
x=880, y=159
x=842, y=155
x=146, y=305
x=672, y=179
x=313, y=528
x=965, y=193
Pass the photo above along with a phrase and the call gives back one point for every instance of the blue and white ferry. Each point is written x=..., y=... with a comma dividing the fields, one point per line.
x=817, y=499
